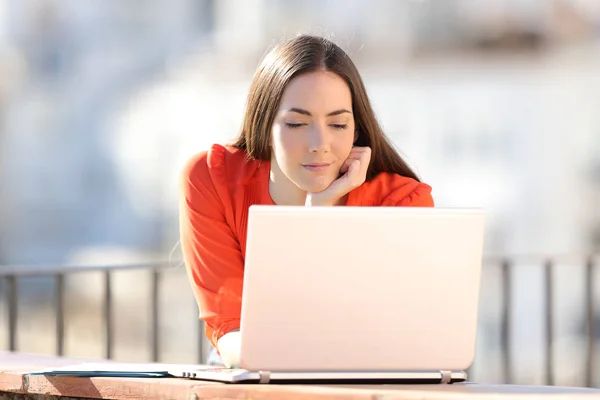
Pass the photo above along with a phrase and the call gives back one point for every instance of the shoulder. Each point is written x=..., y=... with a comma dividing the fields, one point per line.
x=388, y=189
x=219, y=166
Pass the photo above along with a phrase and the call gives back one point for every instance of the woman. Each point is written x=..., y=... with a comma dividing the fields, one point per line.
x=309, y=137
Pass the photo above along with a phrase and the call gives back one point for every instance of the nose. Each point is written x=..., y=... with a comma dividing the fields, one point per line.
x=319, y=141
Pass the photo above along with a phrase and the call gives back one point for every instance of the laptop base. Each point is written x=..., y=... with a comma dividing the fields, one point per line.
x=227, y=375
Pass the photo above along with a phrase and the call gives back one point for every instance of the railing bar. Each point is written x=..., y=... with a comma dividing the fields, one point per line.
x=200, y=340
x=506, y=321
x=13, y=295
x=155, y=314
x=591, y=322
x=53, y=269
x=549, y=292
x=108, y=334
x=49, y=270
x=60, y=316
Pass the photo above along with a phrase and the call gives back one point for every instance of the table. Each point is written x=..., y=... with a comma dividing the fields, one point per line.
x=16, y=383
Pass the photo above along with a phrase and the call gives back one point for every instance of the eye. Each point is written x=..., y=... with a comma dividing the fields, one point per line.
x=292, y=126
x=340, y=126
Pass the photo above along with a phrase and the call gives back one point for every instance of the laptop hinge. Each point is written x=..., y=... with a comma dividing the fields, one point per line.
x=265, y=376
x=446, y=376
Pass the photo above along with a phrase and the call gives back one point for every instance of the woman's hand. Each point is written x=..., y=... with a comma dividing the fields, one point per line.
x=354, y=172
x=229, y=346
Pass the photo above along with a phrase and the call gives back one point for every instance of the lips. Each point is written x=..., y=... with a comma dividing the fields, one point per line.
x=316, y=167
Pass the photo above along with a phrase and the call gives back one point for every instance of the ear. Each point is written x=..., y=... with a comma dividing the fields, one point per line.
x=356, y=135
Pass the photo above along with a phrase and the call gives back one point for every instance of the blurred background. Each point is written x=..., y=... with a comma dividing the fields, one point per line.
x=495, y=104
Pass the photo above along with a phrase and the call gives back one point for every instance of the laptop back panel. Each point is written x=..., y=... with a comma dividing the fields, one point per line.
x=361, y=288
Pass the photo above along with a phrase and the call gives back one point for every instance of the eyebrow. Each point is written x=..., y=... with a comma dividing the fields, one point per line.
x=331, y=114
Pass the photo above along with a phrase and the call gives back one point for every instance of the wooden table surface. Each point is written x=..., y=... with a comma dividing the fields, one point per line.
x=15, y=379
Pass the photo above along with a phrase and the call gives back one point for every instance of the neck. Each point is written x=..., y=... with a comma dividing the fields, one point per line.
x=282, y=190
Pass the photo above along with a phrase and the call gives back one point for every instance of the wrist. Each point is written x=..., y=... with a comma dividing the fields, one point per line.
x=314, y=201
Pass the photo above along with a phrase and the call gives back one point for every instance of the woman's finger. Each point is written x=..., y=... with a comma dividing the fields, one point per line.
x=365, y=160
x=346, y=164
x=361, y=154
x=353, y=171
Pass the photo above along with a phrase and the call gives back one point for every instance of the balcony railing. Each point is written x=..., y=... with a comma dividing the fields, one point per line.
x=11, y=275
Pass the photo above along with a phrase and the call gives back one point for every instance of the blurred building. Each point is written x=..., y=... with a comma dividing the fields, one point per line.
x=86, y=64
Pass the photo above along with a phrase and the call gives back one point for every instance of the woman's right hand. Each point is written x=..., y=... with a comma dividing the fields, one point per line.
x=229, y=347
x=354, y=172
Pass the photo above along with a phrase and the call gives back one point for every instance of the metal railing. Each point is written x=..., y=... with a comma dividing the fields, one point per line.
x=12, y=274
x=507, y=266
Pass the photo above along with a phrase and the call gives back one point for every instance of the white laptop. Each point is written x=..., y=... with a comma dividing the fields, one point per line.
x=357, y=294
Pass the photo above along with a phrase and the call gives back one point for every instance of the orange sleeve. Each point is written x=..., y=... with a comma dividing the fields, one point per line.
x=420, y=196
x=211, y=250
x=406, y=193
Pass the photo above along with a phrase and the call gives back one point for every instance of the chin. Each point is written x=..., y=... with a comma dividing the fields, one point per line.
x=316, y=185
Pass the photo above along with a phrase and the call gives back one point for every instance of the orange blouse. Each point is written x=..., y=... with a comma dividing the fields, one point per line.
x=217, y=188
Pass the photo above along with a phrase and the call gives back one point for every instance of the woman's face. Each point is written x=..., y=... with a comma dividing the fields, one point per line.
x=313, y=130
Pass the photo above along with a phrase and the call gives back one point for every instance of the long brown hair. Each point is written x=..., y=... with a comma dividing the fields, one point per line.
x=300, y=55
